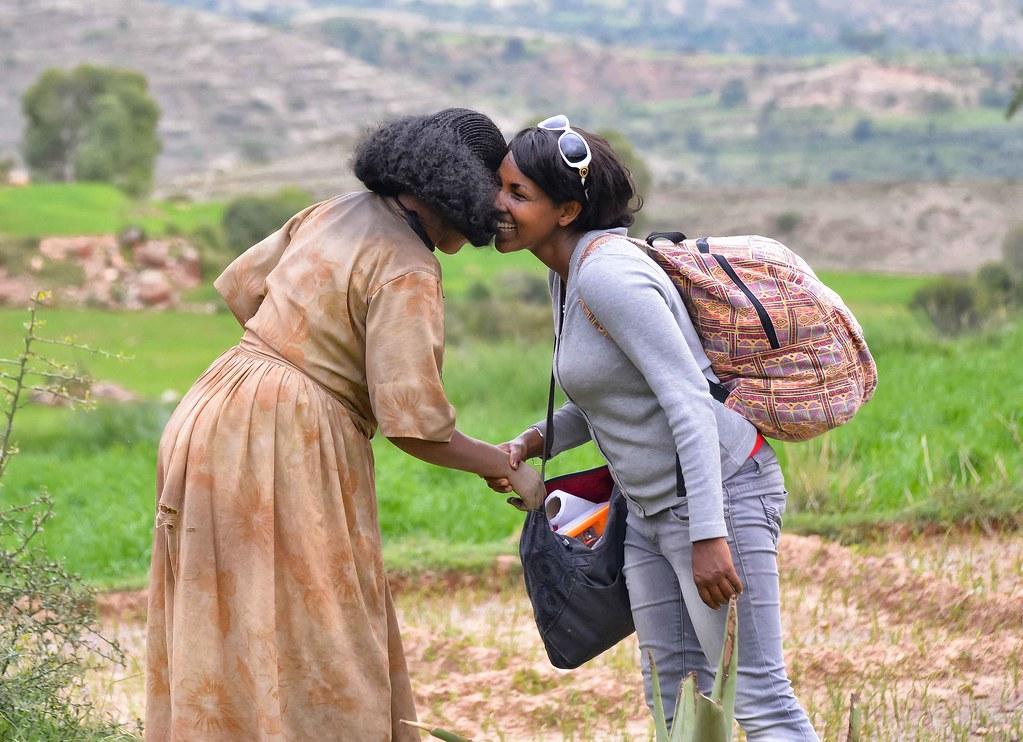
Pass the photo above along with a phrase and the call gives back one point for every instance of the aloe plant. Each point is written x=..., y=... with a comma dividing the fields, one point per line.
x=697, y=717
x=441, y=734
x=855, y=719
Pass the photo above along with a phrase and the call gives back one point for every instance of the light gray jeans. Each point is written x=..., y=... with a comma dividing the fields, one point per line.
x=682, y=632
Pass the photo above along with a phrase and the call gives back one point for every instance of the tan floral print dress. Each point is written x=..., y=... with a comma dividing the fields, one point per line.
x=269, y=615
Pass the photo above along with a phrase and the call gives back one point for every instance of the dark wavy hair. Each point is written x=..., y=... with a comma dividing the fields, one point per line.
x=610, y=199
x=448, y=160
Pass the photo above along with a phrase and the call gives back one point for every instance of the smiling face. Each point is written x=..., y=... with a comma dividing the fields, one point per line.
x=527, y=218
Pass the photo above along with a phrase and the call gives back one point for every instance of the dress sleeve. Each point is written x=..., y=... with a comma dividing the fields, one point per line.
x=243, y=282
x=404, y=357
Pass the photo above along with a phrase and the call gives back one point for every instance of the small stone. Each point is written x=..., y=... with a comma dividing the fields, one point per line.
x=152, y=254
x=153, y=289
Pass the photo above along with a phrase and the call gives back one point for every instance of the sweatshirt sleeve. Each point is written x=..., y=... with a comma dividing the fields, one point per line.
x=626, y=293
x=570, y=428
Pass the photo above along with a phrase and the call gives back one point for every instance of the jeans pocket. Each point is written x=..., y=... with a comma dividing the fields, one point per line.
x=774, y=508
x=680, y=512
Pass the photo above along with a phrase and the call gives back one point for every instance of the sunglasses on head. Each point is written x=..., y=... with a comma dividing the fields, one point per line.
x=571, y=145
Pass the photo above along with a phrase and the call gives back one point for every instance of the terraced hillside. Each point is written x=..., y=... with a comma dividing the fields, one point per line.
x=229, y=90
x=256, y=94
x=736, y=26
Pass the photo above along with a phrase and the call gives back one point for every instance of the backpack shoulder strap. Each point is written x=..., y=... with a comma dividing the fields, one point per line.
x=587, y=251
x=607, y=237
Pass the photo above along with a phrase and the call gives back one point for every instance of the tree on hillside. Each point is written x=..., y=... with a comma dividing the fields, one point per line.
x=633, y=160
x=92, y=123
x=1017, y=99
x=733, y=94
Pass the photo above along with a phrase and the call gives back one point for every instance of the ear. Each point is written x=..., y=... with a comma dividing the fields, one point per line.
x=569, y=212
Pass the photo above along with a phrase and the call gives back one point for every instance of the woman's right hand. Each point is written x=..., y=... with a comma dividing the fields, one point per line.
x=528, y=444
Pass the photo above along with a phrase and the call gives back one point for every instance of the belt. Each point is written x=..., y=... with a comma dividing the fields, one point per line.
x=757, y=445
x=252, y=345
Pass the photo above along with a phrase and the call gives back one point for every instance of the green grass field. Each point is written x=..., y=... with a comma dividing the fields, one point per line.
x=94, y=208
x=940, y=442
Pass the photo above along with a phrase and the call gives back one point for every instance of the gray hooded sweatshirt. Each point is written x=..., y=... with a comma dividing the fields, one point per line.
x=639, y=387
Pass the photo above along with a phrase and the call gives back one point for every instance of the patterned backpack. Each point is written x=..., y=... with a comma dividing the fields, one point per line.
x=789, y=354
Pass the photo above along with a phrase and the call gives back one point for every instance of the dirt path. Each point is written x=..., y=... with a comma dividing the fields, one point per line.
x=928, y=632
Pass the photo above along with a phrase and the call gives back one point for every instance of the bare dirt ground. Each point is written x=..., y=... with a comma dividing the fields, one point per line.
x=927, y=631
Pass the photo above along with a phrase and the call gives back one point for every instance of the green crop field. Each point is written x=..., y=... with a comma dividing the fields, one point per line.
x=940, y=442
x=94, y=208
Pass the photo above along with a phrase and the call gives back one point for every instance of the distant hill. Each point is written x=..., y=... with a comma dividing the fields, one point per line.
x=714, y=118
x=230, y=91
x=257, y=94
x=772, y=27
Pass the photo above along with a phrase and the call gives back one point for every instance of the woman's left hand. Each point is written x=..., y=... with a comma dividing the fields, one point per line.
x=529, y=487
x=714, y=573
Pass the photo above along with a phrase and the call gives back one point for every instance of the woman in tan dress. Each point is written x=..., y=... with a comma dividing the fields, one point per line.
x=269, y=612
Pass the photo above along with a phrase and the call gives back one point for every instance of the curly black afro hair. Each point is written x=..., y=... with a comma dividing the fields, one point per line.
x=447, y=159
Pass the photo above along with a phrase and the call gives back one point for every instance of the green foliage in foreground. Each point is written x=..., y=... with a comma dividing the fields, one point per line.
x=48, y=636
x=698, y=718
x=942, y=441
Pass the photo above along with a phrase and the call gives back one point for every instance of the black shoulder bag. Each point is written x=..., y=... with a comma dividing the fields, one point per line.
x=580, y=602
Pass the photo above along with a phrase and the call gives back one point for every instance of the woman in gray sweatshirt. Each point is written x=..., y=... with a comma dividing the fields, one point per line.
x=705, y=493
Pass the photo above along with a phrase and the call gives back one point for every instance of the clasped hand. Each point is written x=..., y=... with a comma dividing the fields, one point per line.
x=523, y=480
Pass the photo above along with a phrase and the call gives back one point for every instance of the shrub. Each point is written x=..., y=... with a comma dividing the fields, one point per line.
x=478, y=291
x=641, y=175
x=695, y=139
x=995, y=285
x=787, y=221
x=248, y=219
x=935, y=103
x=214, y=255
x=92, y=123
x=994, y=97
x=48, y=637
x=526, y=287
x=1012, y=252
x=863, y=130
x=514, y=50
x=491, y=319
x=951, y=303
x=733, y=94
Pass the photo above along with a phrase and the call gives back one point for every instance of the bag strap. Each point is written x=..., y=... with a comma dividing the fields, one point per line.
x=548, y=439
x=606, y=237
x=675, y=237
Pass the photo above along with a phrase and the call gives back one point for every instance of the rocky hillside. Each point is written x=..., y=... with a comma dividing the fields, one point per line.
x=230, y=91
x=258, y=94
x=896, y=227
x=774, y=27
